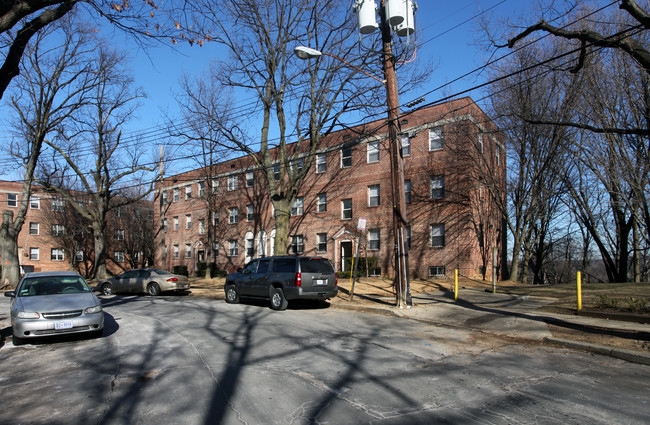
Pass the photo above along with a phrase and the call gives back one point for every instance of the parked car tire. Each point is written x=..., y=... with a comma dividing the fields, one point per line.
x=278, y=300
x=17, y=340
x=107, y=289
x=153, y=289
x=232, y=295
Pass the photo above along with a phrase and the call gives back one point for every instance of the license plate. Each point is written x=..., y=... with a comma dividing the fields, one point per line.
x=320, y=282
x=63, y=325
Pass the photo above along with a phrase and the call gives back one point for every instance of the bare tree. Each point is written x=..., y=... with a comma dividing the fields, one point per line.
x=54, y=84
x=299, y=102
x=90, y=157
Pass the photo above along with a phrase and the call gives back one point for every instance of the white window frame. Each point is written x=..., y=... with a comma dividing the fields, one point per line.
x=344, y=158
x=118, y=256
x=176, y=223
x=58, y=205
x=188, y=250
x=437, y=187
x=405, y=144
x=298, y=206
x=188, y=221
x=372, y=152
x=34, y=254
x=343, y=209
x=201, y=189
x=374, y=198
x=34, y=228
x=321, y=163
x=164, y=224
x=58, y=230
x=12, y=200
x=233, y=182
x=35, y=203
x=57, y=254
x=215, y=185
x=233, y=248
x=177, y=251
x=250, y=178
x=233, y=215
x=250, y=213
x=119, y=234
x=408, y=190
x=437, y=231
x=321, y=242
x=374, y=240
x=175, y=194
x=297, y=244
x=201, y=226
x=322, y=203
x=436, y=138
x=188, y=192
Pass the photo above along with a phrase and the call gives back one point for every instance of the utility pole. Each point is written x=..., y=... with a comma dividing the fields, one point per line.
x=402, y=286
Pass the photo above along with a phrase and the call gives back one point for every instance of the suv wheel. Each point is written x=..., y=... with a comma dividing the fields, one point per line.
x=278, y=301
x=232, y=295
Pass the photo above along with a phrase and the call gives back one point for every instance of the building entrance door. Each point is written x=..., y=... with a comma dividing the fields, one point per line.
x=346, y=252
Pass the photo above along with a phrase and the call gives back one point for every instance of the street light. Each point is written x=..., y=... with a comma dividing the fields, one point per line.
x=403, y=289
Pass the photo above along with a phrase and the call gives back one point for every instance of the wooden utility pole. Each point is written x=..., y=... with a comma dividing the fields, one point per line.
x=401, y=282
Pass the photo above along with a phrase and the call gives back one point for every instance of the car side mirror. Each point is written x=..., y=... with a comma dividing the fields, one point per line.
x=10, y=294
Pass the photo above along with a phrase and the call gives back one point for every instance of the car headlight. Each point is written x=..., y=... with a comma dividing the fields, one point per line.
x=95, y=309
x=28, y=315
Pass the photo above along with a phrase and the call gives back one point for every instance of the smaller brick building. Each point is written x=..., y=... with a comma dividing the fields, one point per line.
x=55, y=237
x=453, y=156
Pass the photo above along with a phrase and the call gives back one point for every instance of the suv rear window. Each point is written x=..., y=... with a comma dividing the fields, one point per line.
x=284, y=265
x=315, y=265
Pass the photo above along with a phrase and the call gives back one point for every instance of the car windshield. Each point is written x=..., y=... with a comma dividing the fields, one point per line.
x=52, y=285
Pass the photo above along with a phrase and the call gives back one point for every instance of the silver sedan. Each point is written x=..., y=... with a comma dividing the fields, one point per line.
x=53, y=303
x=151, y=281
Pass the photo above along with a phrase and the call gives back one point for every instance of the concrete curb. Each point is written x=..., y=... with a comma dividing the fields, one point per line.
x=628, y=355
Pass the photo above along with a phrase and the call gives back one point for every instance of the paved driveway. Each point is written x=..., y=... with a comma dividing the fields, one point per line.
x=189, y=360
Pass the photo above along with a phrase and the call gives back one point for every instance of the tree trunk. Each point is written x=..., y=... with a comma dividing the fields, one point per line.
x=100, y=252
x=9, y=251
x=282, y=216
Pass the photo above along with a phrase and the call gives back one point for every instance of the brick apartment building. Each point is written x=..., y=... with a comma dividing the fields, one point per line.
x=55, y=237
x=452, y=155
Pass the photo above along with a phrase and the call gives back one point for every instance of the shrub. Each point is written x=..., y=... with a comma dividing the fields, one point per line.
x=638, y=305
x=201, y=267
x=182, y=270
x=605, y=301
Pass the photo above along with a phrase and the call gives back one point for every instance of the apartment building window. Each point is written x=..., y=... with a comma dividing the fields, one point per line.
x=346, y=209
x=276, y=172
x=437, y=187
x=164, y=255
x=322, y=242
x=322, y=202
x=215, y=218
x=233, y=215
x=373, y=195
x=119, y=234
x=57, y=230
x=118, y=256
x=406, y=144
x=233, y=248
x=215, y=185
x=56, y=254
x=176, y=223
x=176, y=252
x=374, y=242
x=233, y=182
x=201, y=189
x=250, y=247
x=407, y=190
x=297, y=165
x=249, y=179
x=437, y=236
x=215, y=250
x=298, y=206
x=346, y=157
x=250, y=216
x=34, y=254
x=164, y=224
x=12, y=200
x=79, y=256
x=188, y=221
x=437, y=271
x=321, y=163
x=188, y=250
x=202, y=226
x=480, y=143
x=188, y=192
x=35, y=203
x=373, y=152
x=436, y=138
x=297, y=244
x=118, y=212
x=34, y=228
x=57, y=205
x=175, y=194
x=164, y=197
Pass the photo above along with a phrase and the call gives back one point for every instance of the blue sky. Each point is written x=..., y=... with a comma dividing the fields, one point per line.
x=446, y=30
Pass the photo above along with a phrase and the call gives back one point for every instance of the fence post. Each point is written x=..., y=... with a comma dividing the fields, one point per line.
x=579, y=289
x=455, y=284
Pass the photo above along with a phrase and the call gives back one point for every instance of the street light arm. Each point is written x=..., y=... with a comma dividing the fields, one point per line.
x=308, y=53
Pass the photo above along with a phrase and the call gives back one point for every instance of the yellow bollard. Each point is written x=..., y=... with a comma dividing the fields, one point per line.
x=579, y=289
x=456, y=284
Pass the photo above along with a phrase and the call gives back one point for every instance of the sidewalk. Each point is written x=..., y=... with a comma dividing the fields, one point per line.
x=502, y=314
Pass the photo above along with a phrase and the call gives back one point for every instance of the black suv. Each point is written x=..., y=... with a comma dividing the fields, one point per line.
x=283, y=278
